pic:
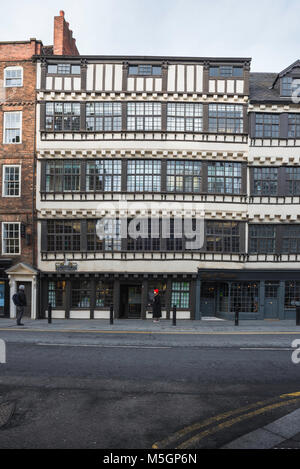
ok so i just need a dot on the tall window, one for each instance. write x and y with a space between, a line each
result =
224 178
63 116
62 176
12 127
57 293
184 176
103 117
13 76
292 294
11 242
103 176
144 176
286 86
184 117
291 239
180 295
11 181
265 181
63 235
107 237
175 241
104 294
144 116
262 239
227 118
81 293
292 175
294 125
267 125
222 237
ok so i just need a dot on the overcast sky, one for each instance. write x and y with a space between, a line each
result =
266 30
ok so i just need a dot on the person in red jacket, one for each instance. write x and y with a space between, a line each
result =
156 306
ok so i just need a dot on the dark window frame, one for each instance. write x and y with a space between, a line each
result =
269 127
111 121
268 179
222 116
181 115
236 177
65 117
223 237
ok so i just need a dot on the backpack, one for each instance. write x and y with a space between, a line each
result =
15 299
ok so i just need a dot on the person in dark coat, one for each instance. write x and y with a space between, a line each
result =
21 304
156 306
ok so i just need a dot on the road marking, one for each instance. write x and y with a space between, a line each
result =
267 349
197 426
178 332
229 423
103 346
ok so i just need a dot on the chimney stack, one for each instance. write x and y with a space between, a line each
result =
64 43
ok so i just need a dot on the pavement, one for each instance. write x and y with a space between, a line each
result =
283 433
206 325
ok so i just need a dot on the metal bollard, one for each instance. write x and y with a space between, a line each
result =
297 315
49 313
111 313
174 315
236 323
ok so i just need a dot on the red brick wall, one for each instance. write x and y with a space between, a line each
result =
20 209
64 43
19 50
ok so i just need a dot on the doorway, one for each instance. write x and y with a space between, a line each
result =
130 301
271 300
27 285
208 299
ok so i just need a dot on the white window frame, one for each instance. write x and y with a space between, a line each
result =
4 127
3 179
2 238
13 68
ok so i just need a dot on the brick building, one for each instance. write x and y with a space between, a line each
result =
18 257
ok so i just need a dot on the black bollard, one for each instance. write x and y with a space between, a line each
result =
49 313
111 313
236 318
297 315
174 315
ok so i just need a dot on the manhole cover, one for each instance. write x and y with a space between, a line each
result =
6 411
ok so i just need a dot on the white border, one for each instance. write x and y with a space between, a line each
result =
2 232
12 68
4 127
3 182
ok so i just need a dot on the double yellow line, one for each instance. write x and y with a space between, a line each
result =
183 439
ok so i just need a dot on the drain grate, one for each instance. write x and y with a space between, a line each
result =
6 412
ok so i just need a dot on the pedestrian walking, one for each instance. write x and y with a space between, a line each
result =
156 306
19 300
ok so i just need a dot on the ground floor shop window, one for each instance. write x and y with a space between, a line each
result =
292 294
81 293
244 295
181 295
104 294
56 293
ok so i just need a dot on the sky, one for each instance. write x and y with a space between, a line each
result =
266 30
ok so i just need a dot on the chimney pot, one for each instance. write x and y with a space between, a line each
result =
62 13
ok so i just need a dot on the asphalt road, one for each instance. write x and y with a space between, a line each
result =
122 392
